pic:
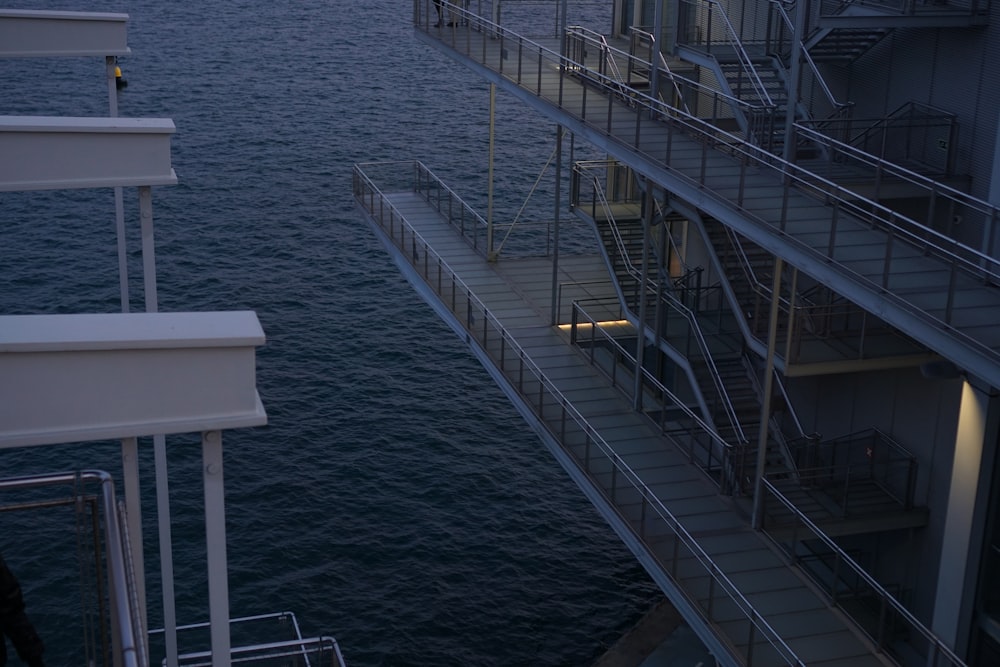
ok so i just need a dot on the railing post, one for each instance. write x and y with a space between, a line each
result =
888 257
642 518
951 292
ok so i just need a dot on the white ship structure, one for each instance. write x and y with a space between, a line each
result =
137 377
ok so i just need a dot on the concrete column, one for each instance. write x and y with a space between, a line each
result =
962 541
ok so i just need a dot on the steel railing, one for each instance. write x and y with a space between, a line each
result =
839 107
946 208
703 445
873 608
120 612
514 57
693 333
865 455
693 97
295 650
808 318
655 63
566 425
907 7
707 33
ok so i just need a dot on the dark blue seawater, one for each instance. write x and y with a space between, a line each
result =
395 500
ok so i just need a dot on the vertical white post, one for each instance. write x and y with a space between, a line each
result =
148 252
119 198
159 441
215 539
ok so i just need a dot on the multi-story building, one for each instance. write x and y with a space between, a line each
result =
841 155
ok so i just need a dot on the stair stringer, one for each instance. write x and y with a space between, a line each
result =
648 335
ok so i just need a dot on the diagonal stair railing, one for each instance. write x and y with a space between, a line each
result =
706 27
785 33
698 358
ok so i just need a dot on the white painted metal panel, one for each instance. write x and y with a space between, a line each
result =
55 152
30 33
70 378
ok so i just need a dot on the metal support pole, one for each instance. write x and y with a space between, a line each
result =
130 446
765 406
640 341
794 79
119 198
490 256
148 254
562 27
159 441
555 230
166 550
654 84
215 540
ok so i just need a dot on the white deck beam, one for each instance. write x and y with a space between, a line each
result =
55 152
33 33
73 378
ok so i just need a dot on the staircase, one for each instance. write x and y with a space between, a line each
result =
746 266
843 45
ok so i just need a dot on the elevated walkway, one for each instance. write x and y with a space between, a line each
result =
744 599
941 293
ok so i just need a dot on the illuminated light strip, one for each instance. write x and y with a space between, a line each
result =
600 325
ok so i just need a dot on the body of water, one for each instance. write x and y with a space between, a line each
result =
395 500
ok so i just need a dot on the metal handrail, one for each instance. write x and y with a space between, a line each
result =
269 652
807 316
701 87
650 380
298 647
779 5
898 458
366 192
607 60
685 312
733 39
124 613
840 201
661 63
138 629
934 190
446 205
908 7
887 600
742 109
926 116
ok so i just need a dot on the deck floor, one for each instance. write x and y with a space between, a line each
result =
517 292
